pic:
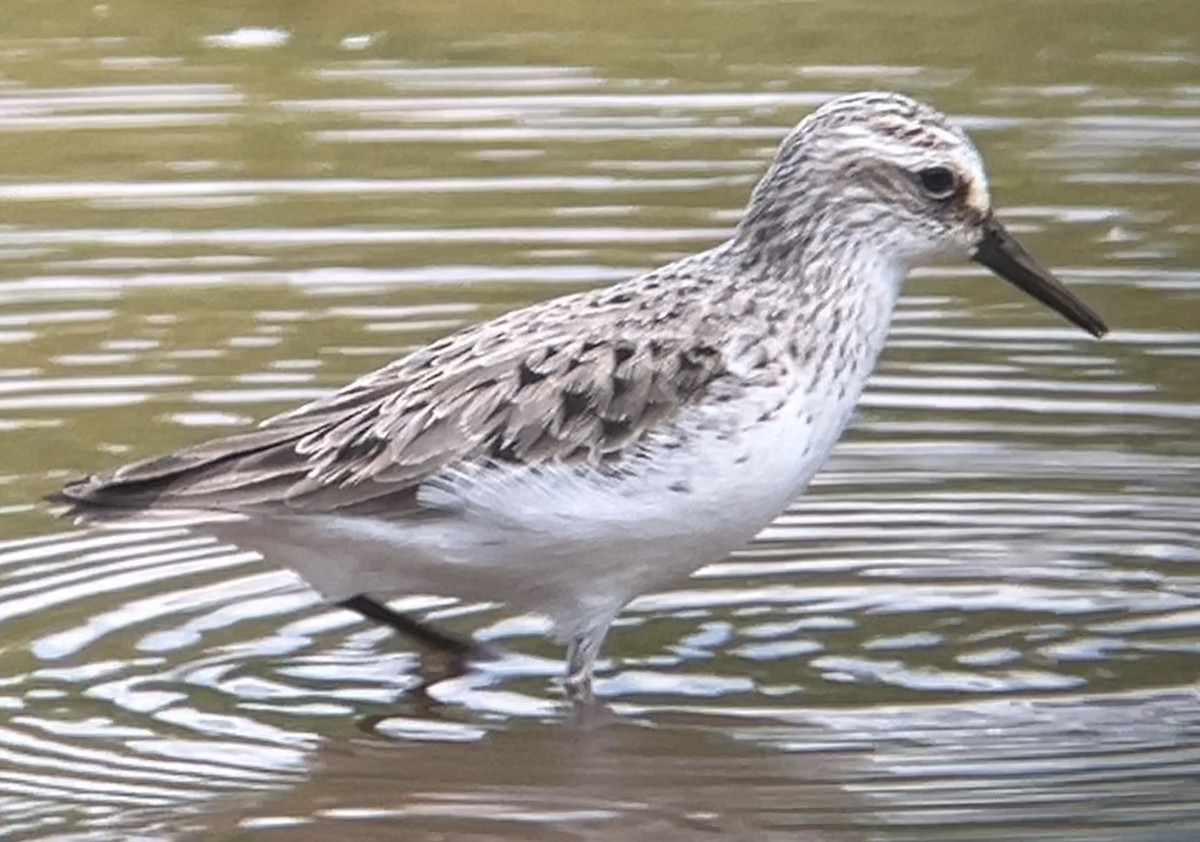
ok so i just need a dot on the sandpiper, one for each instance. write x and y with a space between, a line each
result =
569 456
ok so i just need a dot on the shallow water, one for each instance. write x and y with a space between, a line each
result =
984 621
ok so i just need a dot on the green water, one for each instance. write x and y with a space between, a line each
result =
983 623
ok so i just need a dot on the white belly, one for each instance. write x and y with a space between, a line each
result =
577 545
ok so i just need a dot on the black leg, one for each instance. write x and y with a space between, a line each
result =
409 627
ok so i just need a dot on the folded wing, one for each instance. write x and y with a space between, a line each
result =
551 391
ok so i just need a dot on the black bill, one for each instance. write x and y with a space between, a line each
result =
1001 253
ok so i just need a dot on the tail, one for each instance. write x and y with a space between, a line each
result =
223 474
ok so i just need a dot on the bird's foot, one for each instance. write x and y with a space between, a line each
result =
437 665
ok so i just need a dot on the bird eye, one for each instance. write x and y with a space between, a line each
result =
937 182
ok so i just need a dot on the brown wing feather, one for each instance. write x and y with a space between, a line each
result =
529 387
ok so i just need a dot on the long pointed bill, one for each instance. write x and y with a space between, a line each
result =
1000 252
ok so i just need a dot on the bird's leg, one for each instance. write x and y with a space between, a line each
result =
446 656
427 635
581 660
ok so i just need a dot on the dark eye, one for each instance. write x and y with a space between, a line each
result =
937 182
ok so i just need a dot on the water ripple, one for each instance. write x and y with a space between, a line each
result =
981 623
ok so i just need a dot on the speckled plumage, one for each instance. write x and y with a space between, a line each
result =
570 455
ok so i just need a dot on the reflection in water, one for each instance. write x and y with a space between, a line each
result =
982 624
623 781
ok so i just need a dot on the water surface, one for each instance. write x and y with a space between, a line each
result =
983 623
